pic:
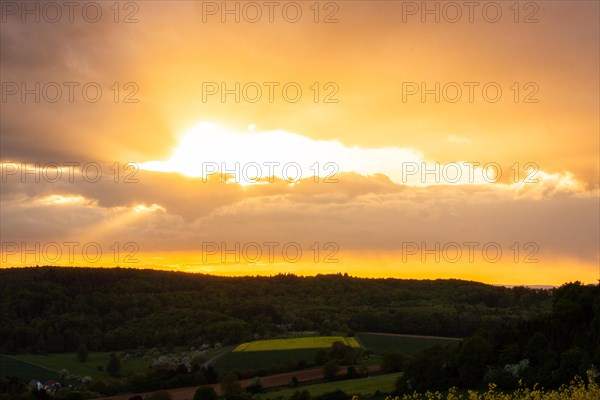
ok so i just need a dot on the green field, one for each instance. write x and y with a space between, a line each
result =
10 366
316 342
68 361
407 345
360 386
245 360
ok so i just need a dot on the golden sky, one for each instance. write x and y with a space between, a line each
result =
447 139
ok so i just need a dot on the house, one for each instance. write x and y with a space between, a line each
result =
35 385
51 386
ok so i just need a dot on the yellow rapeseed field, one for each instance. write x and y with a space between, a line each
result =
316 342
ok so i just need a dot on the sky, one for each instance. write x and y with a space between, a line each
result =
379 138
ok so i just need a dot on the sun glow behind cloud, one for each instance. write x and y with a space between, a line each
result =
253 157
250 156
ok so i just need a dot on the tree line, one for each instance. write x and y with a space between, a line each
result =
548 350
59 309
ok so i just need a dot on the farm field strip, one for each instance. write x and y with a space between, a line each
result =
382 383
263 359
318 342
408 345
10 366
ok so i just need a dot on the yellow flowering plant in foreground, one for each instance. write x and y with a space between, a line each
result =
577 390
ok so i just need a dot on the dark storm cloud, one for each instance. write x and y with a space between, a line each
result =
361 213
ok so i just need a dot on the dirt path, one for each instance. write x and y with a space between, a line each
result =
361 344
224 351
270 381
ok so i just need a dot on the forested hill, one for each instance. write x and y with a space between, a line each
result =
52 309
